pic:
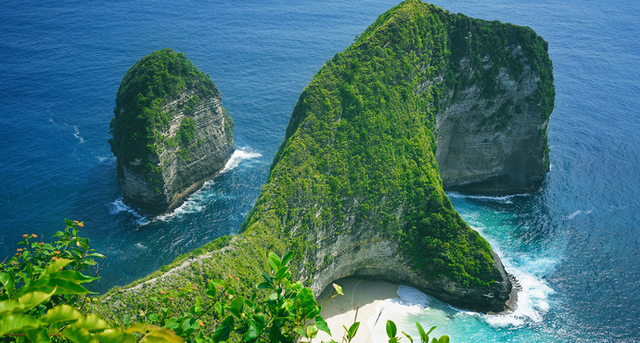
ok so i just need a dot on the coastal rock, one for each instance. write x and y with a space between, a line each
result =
170 131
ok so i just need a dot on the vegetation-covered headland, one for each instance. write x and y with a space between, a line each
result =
170 131
355 187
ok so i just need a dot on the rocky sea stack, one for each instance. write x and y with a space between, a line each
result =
356 187
170 131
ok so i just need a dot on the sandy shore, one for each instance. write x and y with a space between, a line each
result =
360 295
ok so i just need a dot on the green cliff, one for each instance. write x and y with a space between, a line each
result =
170 131
355 187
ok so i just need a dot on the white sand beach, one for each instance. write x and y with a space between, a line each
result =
360 295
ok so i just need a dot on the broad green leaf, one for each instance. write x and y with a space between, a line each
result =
62 313
264 285
56 265
236 306
78 335
91 322
305 305
424 337
33 299
391 329
274 334
73 276
274 261
322 325
160 335
219 308
301 332
188 324
353 329
268 278
223 331
11 306
15 322
254 329
39 335
444 339
287 257
219 283
9 283
281 272
212 290
47 284
141 328
115 336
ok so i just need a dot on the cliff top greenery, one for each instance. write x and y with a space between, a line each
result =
138 114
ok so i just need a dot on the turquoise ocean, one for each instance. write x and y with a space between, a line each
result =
574 245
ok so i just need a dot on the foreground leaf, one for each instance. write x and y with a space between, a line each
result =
17 322
78 335
62 313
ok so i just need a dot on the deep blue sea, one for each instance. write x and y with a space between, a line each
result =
574 245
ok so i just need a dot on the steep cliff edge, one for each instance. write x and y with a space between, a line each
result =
170 131
355 187
498 95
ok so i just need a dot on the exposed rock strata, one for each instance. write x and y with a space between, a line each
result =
187 136
474 156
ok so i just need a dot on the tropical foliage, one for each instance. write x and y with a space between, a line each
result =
42 299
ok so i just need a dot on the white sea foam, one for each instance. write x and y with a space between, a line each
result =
238 156
576 213
197 202
505 199
106 159
77 134
119 206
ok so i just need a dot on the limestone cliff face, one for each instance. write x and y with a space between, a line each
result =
494 144
182 137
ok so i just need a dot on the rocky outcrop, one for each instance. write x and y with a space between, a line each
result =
170 136
494 144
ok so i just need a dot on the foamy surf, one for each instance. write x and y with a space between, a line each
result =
238 156
119 206
198 201
505 199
